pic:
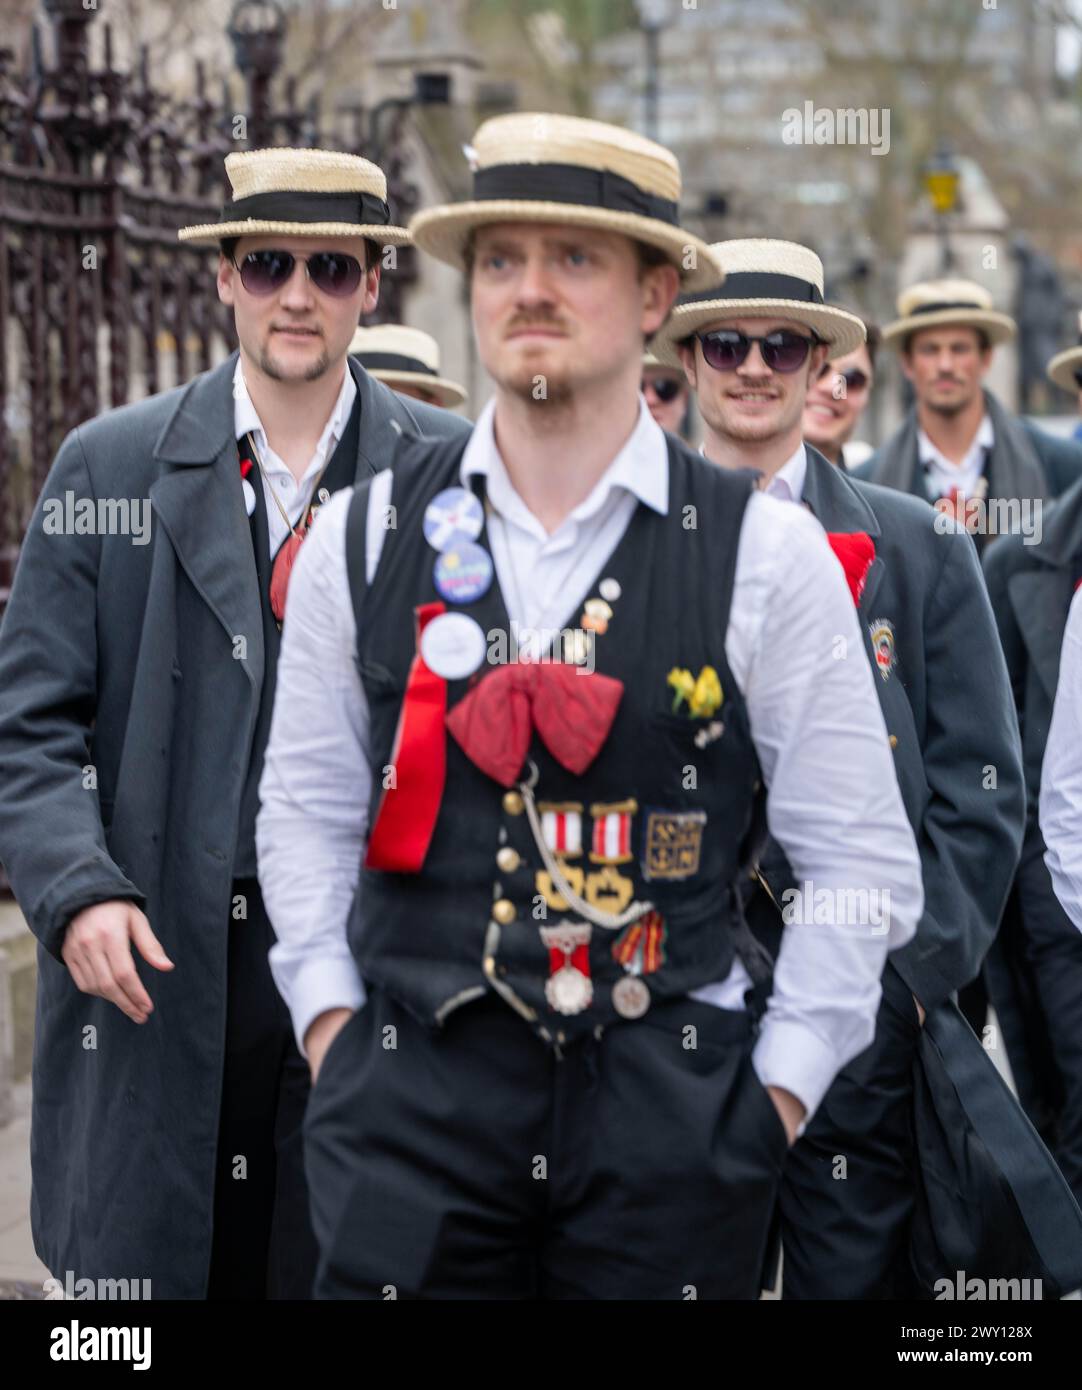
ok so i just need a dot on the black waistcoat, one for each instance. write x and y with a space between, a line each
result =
444 936
340 472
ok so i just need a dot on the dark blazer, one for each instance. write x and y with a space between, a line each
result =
127 705
1025 462
989 1196
926 583
1031 587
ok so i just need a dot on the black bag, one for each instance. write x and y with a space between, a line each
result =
991 1202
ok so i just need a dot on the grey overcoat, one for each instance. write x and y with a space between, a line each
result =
130 679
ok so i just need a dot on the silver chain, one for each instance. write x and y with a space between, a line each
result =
611 921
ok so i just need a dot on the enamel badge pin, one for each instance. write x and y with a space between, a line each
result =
882 633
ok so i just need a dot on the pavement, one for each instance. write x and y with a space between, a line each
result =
21 1272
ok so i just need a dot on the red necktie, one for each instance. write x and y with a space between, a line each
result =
571 709
855 552
407 813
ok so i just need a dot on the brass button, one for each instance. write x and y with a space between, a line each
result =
508 859
503 910
513 803
894 740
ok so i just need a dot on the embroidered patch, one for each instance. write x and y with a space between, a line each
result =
882 633
672 844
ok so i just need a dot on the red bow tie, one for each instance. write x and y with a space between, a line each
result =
855 551
571 709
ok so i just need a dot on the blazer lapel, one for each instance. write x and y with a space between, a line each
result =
199 503
1014 469
1040 599
385 418
840 507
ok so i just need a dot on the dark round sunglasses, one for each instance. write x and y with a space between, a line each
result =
665 388
1078 377
727 348
854 378
331 272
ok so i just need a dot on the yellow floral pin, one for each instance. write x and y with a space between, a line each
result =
703 695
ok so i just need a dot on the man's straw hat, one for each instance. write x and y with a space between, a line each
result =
764 279
649 360
936 303
302 193
400 356
1063 366
572 172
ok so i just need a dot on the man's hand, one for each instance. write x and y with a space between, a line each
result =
322 1031
790 1110
97 951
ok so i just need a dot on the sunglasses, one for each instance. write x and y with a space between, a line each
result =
665 388
331 272
727 348
854 378
1078 377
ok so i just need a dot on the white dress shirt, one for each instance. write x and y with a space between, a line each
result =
278 481
787 484
1061 775
940 474
833 800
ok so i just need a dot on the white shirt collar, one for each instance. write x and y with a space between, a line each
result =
788 482
983 440
246 419
641 468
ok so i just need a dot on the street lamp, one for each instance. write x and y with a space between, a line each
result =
653 17
941 178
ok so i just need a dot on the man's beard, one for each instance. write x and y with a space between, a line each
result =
948 408
727 426
272 368
542 391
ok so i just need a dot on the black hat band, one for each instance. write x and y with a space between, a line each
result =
759 284
393 362
571 183
358 209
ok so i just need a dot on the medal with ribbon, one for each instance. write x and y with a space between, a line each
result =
568 988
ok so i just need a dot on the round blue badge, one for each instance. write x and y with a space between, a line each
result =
463 572
453 515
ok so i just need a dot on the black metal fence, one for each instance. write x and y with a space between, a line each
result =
99 303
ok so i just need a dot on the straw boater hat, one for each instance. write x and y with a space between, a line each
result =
401 356
302 193
563 169
1063 366
764 279
959 303
649 360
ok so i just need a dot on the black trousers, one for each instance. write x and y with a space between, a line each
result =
849 1187
1052 948
474 1163
263 1246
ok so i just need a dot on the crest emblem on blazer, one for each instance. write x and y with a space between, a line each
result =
672 845
882 633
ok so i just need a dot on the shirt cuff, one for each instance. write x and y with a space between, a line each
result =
328 982
793 1057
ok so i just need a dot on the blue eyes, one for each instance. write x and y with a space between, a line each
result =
496 262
